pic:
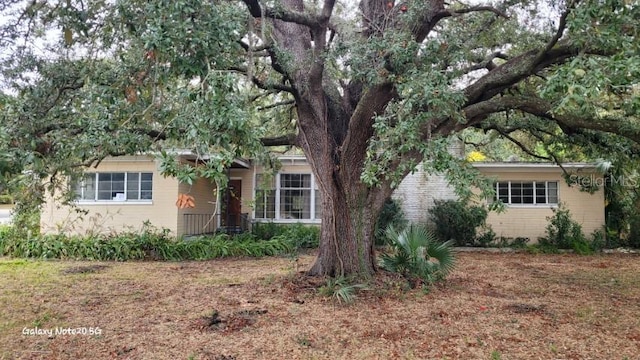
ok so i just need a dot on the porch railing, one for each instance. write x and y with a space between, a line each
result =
199 224
234 224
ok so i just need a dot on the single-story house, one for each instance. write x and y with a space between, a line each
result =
529 191
125 192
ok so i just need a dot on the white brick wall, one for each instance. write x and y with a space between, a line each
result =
417 192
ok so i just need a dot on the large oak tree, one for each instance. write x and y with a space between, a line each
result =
368 90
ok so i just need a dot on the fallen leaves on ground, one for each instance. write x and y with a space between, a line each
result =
508 306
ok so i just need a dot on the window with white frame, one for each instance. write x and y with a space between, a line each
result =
287 197
527 192
265 204
115 186
295 196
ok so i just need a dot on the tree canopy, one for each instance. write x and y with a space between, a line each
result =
367 90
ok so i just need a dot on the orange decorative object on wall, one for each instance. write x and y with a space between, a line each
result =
185 201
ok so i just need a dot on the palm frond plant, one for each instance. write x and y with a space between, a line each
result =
418 255
340 289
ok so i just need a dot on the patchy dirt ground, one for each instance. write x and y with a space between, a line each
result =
495 306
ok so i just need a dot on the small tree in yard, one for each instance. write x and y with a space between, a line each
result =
367 91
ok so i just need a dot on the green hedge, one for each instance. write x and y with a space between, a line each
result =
146 245
301 236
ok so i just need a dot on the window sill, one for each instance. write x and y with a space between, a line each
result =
532 206
113 202
289 221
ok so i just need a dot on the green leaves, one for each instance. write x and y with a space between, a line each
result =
594 86
148 244
341 289
456 220
417 255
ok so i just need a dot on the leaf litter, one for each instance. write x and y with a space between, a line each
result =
511 306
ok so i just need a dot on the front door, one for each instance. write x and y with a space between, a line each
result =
232 205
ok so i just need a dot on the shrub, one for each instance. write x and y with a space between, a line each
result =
304 236
390 216
149 244
26 220
300 236
516 243
222 246
6 199
599 239
455 220
487 238
418 256
562 231
4 235
267 230
633 240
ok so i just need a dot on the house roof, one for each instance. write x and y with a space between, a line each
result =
189 155
522 166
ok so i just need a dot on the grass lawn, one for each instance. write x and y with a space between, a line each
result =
494 306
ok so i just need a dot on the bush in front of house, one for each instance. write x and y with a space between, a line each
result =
205 248
303 236
300 236
148 244
456 220
6 199
5 231
633 240
563 232
267 230
390 216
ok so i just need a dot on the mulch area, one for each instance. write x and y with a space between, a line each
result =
494 306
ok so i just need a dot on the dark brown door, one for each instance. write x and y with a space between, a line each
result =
232 204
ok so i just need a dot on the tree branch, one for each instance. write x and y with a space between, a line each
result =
544 109
477 8
521 67
523 147
554 157
486 63
372 102
431 20
280 103
289 139
291 16
154 134
151 133
262 84
256 49
327 10
59 93
271 86
561 26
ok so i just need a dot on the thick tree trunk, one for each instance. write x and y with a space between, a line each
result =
346 239
349 210
335 123
336 150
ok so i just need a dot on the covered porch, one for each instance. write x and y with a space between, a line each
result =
227 211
